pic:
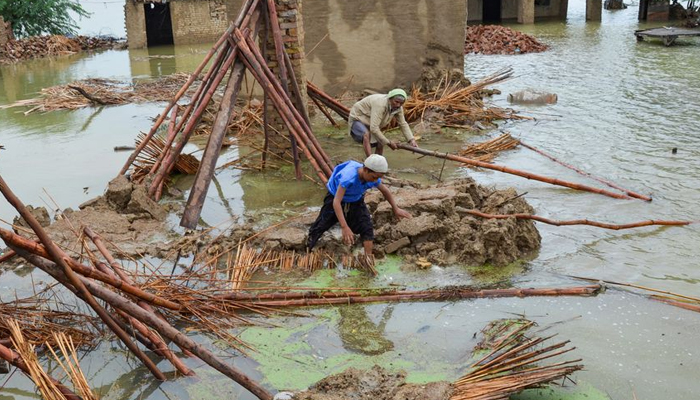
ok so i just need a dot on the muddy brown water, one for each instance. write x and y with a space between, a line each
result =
623 106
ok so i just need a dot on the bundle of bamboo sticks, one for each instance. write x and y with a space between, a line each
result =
487 151
511 366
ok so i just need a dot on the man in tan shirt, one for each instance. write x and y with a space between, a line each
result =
369 115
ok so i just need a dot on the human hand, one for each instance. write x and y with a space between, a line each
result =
393 145
348 236
413 143
401 213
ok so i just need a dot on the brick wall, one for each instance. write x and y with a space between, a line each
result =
196 21
289 13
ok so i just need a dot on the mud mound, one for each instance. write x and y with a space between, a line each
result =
441 231
124 215
377 383
495 39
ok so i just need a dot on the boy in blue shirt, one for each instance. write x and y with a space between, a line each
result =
345 202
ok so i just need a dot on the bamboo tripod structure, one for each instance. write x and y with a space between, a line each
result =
237 52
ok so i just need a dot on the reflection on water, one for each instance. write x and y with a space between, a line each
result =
622 107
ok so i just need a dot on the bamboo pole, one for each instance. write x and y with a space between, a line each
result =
14 240
696 299
165 329
301 108
322 299
580 221
172 133
59 257
169 162
315 92
9 255
15 359
512 171
587 174
174 100
207 165
304 130
291 123
324 111
159 346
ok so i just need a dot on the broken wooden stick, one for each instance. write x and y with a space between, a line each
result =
587 174
447 294
513 171
580 221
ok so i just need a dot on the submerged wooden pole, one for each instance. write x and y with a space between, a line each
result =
580 221
587 174
159 346
173 101
513 171
164 328
14 240
59 258
15 359
322 299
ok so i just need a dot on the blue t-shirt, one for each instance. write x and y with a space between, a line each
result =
345 175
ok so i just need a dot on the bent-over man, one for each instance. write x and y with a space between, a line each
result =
345 202
373 113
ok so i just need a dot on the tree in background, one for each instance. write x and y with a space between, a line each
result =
39 17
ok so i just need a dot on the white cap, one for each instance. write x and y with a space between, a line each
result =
377 163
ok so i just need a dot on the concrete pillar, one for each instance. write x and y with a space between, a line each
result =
135 22
594 10
526 11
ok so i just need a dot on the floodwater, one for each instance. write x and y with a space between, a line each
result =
623 106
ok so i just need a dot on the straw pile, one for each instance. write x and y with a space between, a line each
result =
487 151
495 39
26 350
40 322
43 46
457 105
71 365
510 365
94 92
185 164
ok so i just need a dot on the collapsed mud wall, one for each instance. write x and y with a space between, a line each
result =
443 232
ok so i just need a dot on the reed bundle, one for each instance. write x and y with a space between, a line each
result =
91 92
511 365
26 350
185 164
39 321
71 365
457 103
487 151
